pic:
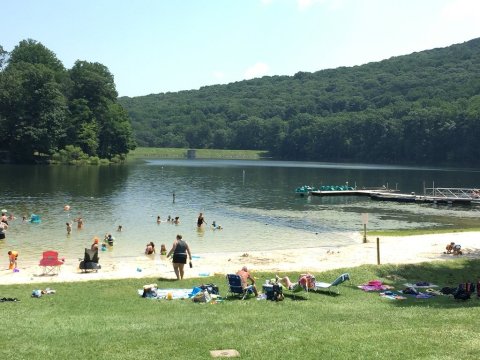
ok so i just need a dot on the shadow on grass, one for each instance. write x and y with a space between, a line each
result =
168 280
295 296
443 274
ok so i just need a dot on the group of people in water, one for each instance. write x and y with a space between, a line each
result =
179 252
172 220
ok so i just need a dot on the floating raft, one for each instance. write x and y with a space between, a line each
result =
349 191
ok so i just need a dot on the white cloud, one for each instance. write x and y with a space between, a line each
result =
461 10
258 70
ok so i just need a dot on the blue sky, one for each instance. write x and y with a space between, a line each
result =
155 46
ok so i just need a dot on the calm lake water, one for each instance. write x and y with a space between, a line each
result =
252 200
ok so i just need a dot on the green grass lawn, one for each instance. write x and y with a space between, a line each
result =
176 153
108 320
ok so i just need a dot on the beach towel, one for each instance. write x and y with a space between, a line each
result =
392 295
375 285
420 285
166 293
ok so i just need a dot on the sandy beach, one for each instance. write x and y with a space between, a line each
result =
393 250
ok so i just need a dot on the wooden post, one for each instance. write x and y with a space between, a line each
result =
378 251
364 233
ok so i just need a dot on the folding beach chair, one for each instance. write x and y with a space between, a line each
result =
329 286
50 263
90 261
234 283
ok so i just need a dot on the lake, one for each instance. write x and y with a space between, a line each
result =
254 201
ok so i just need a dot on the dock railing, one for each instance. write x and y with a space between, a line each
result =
453 193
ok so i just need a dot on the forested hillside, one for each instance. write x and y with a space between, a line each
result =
419 108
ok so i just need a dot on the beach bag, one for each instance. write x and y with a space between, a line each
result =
448 290
202 297
461 293
211 288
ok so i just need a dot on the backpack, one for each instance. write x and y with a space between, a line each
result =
463 291
276 293
211 288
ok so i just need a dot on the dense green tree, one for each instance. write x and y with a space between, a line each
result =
44 108
33 108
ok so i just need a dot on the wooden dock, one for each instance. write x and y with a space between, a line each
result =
449 196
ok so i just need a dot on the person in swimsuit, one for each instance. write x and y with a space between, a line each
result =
3 229
69 228
180 250
150 249
200 220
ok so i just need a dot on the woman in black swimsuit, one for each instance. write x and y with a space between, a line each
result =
200 220
180 250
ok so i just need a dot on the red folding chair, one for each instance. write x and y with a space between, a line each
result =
50 263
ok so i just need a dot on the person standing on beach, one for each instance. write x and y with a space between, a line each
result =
179 249
200 220
12 257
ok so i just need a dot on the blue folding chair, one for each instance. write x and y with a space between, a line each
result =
235 288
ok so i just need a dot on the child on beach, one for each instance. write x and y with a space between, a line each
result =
69 228
150 249
12 257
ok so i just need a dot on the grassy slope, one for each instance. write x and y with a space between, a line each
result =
107 320
175 153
